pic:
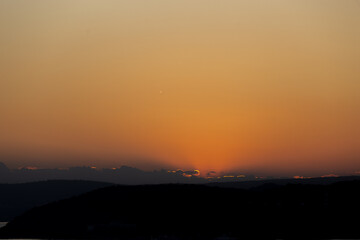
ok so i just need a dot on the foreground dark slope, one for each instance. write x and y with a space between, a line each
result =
15 199
293 211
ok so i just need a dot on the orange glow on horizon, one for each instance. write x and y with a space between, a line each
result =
209 85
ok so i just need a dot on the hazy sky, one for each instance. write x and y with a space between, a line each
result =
212 85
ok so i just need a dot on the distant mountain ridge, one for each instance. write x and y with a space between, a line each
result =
123 175
134 176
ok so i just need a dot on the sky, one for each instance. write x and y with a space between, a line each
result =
260 85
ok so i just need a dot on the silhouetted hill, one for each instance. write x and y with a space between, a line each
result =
295 211
3 168
283 182
15 199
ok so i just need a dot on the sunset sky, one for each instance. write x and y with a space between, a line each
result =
195 84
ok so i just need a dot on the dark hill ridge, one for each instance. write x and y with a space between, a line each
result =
15 199
198 212
282 182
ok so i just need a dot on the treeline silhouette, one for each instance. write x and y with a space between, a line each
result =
176 211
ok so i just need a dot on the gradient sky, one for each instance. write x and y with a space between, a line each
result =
212 85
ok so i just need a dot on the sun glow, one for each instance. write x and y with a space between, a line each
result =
208 85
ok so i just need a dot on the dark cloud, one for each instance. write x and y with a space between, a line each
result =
122 175
187 173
